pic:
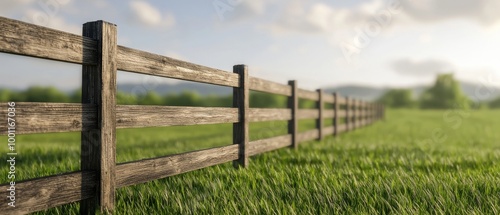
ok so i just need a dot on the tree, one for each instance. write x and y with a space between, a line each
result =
125 99
267 100
186 98
44 94
446 93
495 103
5 95
398 98
150 98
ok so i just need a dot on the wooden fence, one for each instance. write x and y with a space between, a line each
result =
98 116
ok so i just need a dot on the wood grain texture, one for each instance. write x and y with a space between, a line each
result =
266 86
269 144
293 105
241 100
34 117
269 114
98 147
139 116
307 114
48 192
320 108
25 39
308 135
132 60
307 94
151 169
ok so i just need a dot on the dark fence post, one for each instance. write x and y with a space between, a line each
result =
293 105
335 114
241 100
319 121
347 114
98 146
354 114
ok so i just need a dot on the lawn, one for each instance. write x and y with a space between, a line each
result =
435 162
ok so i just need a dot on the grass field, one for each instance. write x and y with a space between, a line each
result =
431 162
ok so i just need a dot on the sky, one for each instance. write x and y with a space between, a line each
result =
380 43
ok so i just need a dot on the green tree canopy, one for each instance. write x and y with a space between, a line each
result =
44 94
398 98
495 103
446 93
150 98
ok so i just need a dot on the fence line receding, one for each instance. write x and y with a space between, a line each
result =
98 116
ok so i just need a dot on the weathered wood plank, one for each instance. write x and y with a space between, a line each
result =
328 131
266 86
328 113
308 135
328 98
307 94
293 105
25 39
98 147
139 116
342 128
34 117
341 100
132 60
342 113
269 144
308 114
48 192
241 101
151 169
269 114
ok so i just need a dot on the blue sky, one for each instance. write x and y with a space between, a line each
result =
395 43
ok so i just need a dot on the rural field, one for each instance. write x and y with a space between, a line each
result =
414 162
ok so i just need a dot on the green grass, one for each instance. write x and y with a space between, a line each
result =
430 162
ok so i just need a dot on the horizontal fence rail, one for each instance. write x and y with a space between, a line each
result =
98 116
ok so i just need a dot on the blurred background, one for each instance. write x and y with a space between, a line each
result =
403 53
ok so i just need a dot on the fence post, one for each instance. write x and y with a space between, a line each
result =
383 112
354 114
319 121
335 114
370 111
293 105
241 100
98 146
347 114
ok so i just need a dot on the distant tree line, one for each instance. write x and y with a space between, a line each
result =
186 98
444 94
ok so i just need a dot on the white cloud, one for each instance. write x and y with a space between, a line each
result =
484 12
8 6
317 17
42 18
144 13
298 16
429 67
